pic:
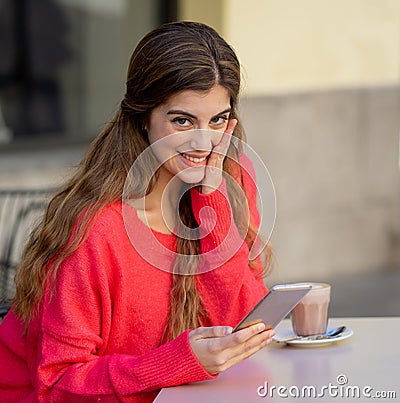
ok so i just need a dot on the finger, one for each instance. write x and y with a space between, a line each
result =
244 350
231 126
220 150
210 332
226 138
257 343
243 335
271 333
251 345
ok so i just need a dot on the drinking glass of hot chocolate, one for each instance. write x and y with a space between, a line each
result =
310 316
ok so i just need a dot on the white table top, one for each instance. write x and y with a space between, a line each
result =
367 363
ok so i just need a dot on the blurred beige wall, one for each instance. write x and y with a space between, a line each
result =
210 12
321 107
298 45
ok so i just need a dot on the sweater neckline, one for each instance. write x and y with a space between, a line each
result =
165 239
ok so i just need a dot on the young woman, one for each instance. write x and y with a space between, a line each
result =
96 315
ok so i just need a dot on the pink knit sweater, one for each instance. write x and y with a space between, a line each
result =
98 338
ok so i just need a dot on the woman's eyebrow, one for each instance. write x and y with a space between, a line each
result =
228 110
180 112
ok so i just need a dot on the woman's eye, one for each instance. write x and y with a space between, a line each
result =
219 120
182 121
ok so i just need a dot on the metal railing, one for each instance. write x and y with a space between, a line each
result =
20 210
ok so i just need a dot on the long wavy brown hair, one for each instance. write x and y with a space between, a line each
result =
174 57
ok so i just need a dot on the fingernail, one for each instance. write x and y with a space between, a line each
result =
228 330
261 327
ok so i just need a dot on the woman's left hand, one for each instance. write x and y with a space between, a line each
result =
218 349
213 172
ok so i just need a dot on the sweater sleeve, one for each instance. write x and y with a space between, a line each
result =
70 370
76 329
230 287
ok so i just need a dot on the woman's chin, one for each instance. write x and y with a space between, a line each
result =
192 175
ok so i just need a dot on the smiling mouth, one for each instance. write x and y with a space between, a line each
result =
196 160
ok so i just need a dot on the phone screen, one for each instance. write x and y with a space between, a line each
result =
275 305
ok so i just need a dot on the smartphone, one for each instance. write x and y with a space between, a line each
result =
275 305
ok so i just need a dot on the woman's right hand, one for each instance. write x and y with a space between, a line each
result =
217 348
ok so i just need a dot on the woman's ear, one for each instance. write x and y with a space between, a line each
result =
145 126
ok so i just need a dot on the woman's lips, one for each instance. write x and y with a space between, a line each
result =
194 160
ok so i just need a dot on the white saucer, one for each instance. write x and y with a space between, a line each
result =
285 333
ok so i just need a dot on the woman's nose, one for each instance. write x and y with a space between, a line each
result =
201 140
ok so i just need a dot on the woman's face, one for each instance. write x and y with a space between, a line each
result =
184 130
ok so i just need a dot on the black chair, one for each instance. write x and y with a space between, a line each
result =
20 210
